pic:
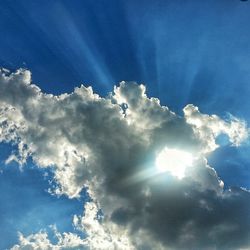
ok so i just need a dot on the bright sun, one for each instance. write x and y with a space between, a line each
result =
173 161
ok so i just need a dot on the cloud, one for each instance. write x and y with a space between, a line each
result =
207 128
41 241
109 146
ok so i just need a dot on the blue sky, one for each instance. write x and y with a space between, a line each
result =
183 51
164 44
26 205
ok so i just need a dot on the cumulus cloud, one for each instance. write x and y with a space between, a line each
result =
41 241
109 146
207 128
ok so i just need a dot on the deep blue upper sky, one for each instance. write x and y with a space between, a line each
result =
184 51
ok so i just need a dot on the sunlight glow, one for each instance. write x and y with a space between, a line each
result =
173 161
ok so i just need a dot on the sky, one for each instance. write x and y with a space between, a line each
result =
81 129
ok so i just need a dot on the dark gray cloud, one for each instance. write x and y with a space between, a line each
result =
109 145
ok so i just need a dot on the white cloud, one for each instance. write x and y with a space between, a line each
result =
207 128
99 236
100 143
41 241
